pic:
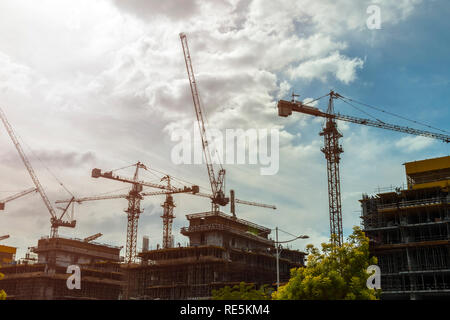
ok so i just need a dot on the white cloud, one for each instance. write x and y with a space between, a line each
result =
414 143
341 67
106 89
13 76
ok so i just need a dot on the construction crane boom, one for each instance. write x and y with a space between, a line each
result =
119 196
168 205
6 236
255 204
217 184
27 164
96 173
285 109
55 221
93 237
15 196
249 203
124 195
332 149
93 198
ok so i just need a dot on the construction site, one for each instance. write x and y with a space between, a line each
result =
408 229
223 251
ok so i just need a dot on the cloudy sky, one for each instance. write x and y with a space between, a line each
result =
103 84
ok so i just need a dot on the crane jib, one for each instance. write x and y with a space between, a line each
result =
285 109
54 220
217 184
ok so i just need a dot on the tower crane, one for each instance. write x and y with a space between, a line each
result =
168 205
55 221
217 183
332 149
15 196
134 197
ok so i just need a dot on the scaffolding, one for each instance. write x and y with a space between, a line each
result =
223 251
102 277
193 272
409 232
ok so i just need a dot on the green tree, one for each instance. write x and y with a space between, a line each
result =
243 291
336 273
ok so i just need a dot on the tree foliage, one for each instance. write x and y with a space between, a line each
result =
335 273
243 291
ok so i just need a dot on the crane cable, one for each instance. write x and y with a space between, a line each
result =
131 165
43 164
150 170
395 115
175 178
359 109
318 98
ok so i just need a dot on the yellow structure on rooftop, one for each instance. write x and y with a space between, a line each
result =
428 173
7 254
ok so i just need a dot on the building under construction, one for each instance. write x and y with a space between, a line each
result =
410 232
223 251
45 277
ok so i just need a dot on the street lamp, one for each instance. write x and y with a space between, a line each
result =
277 244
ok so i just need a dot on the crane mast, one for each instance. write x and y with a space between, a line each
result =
133 212
217 184
167 217
332 149
54 220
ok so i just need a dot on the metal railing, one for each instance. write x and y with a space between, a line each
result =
412 203
81 240
228 217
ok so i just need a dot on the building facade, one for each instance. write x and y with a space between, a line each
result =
45 279
409 232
